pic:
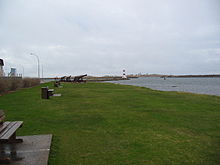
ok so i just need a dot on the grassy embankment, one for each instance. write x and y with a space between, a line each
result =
100 123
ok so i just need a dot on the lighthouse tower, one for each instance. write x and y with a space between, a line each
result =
124 75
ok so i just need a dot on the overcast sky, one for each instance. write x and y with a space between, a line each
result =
103 37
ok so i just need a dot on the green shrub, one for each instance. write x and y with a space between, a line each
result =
3 86
15 84
29 82
12 84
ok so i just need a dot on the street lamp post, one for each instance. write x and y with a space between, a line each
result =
38 62
42 75
22 71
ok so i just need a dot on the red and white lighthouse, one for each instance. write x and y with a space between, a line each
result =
124 75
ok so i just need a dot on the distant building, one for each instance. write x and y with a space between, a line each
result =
13 72
1 68
124 75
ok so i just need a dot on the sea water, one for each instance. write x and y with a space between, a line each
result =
209 86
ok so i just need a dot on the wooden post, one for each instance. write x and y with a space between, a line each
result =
44 93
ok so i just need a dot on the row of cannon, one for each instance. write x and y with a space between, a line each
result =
76 79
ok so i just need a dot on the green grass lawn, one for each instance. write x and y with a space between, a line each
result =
103 123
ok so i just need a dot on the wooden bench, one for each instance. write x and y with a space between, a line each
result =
46 92
50 92
8 136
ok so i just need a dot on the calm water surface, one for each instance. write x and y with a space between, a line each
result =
209 86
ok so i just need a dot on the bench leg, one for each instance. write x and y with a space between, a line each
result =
13 154
14 140
11 140
10 155
4 158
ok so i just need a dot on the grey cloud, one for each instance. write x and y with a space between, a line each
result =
104 37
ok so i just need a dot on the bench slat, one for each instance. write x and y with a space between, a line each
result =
3 126
10 130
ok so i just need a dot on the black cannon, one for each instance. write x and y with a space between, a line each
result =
63 79
76 79
79 79
68 79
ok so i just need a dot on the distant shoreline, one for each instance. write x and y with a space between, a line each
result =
189 76
178 76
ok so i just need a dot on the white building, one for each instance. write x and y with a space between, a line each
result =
1 68
13 72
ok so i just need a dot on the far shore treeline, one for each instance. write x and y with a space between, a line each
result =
12 84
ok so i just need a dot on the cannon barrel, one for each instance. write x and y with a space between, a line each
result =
81 76
63 77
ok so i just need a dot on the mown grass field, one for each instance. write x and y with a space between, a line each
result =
102 123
